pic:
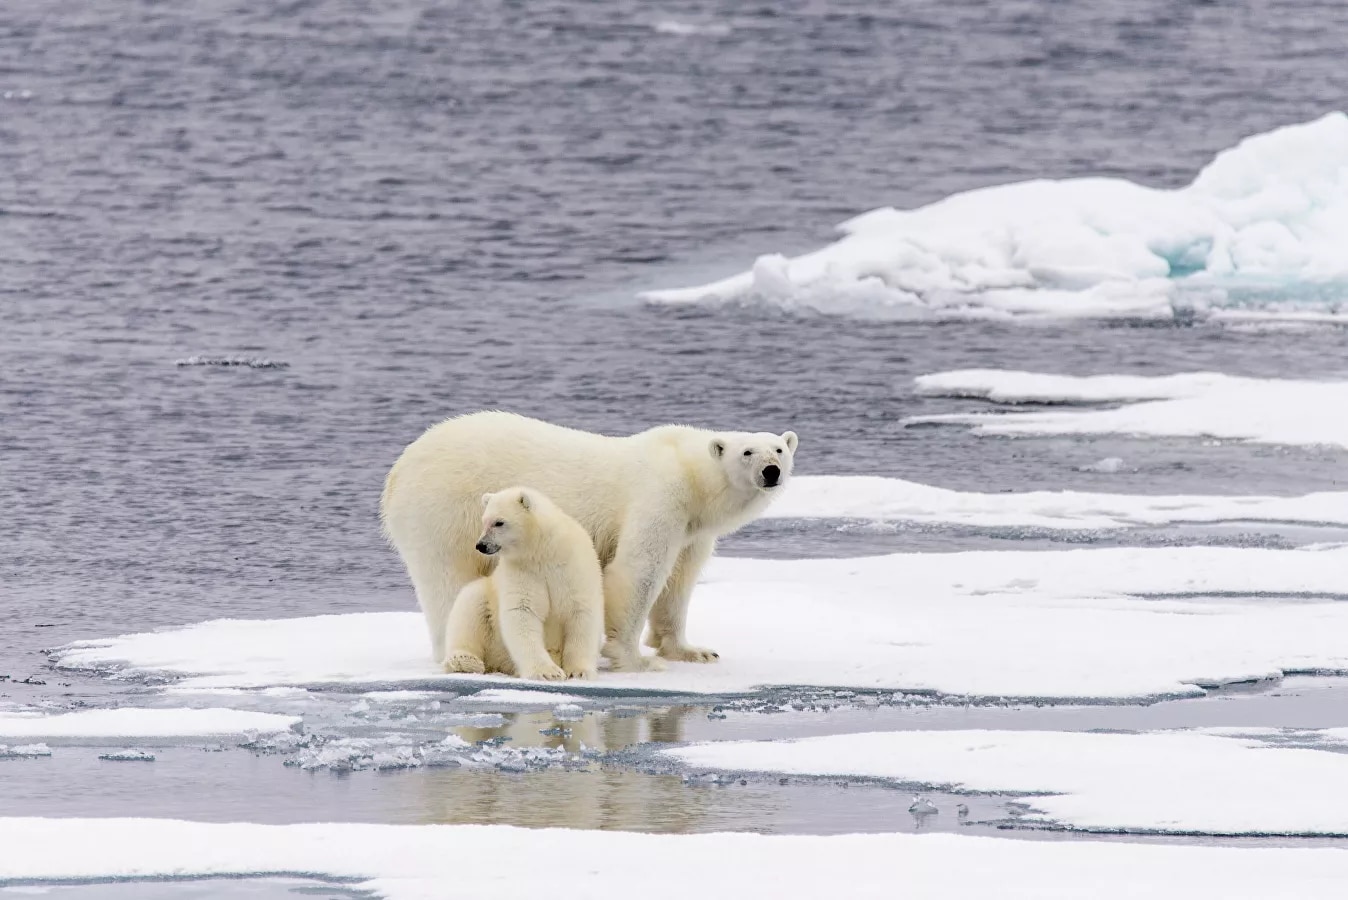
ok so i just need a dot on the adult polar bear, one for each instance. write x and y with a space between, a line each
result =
654 503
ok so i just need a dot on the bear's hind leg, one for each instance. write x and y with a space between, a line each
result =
467 632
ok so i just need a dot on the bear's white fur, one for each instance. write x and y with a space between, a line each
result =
654 504
540 613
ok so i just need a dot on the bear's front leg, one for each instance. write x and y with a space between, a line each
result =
524 607
669 616
641 565
580 644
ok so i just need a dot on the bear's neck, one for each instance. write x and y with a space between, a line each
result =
718 508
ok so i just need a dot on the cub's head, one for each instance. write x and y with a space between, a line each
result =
755 462
507 519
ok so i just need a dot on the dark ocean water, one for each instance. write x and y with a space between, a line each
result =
420 209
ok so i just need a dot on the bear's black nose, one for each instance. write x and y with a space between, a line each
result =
485 549
771 474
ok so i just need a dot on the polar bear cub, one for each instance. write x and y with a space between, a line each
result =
540 613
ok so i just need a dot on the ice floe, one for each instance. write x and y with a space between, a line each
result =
893 499
1211 782
1262 223
419 862
1089 623
130 722
1203 404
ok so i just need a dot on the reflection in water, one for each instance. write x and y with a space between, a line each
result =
593 797
618 729
607 800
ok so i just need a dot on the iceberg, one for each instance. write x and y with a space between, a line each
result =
1262 225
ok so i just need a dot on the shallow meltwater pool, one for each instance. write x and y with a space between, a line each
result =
442 758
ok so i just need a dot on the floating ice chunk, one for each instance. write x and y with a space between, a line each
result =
246 362
24 751
128 756
568 712
688 29
1262 410
130 722
895 500
1110 465
921 806
1166 781
1265 214
416 862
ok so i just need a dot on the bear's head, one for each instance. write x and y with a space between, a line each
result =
755 462
507 519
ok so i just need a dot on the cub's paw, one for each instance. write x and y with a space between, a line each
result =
549 672
581 672
464 662
684 653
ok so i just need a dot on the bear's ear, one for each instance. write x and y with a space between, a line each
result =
717 448
525 501
486 498
791 440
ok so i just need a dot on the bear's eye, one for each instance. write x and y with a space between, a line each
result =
780 451
748 453
499 523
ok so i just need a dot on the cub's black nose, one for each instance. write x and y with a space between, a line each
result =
485 549
771 475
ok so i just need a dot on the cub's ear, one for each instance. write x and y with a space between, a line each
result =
525 501
486 498
791 440
717 447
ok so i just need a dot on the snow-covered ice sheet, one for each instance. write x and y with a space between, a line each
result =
132 722
1264 221
1178 781
1200 404
1059 624
893 499
420 862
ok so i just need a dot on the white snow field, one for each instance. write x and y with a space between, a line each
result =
444 862
1268 213
1218 781
895 500
1203 404
1088 623
130 722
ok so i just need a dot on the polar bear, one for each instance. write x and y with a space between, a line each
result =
654 504
543 604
